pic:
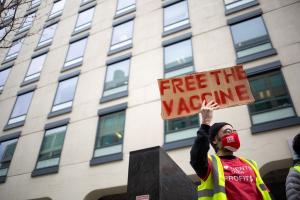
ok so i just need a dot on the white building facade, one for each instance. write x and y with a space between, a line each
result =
78 89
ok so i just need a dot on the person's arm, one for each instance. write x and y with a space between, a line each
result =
199 160
292 185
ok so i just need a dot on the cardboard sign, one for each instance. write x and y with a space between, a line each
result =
183 96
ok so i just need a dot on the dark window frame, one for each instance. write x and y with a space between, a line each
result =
16 40
58 13
8 137
182 142
119 94
50 169
26 29
187 141
22 122
240 7
48 43
273 124
74 39
35 79
181 38
254 42
3 68
179 28
86 7
67 109
126 46
122 13
115 156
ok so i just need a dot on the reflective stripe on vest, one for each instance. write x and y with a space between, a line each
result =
215 178
296 168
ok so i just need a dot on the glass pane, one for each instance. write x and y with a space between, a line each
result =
175 13
181 135
35 2
57 7
48 33
8 13
15 48
248 30
273 115
111 129
230 1
76 49
36 65
125 3
7 150
256 49
3 76
85 17
117 75
178 54
2 33
122 32
108 150
52 143
237 3
28 21
22 105
269 92
47 163
181 123
66 91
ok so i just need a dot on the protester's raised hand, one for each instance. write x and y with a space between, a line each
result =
207 111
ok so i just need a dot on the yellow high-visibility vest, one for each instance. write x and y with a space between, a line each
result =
213 188
296 168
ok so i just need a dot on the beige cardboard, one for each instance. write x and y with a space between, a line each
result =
182 96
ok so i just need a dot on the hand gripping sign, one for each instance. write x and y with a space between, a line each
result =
183 96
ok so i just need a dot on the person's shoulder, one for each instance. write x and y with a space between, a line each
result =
251 161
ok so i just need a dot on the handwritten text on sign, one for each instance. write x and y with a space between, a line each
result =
183 96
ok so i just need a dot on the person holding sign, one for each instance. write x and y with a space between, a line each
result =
223 176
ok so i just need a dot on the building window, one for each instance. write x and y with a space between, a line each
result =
52 144
84 1
110 134
65 94
125 6
235 5
20 108
27 22
272 100
84 20
122 35
2 33
116 80
176 15
35 68
181 128
3 78
35 3
57 9
14 49
250 37
75 53
178 59
47 35
8 13
7 149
